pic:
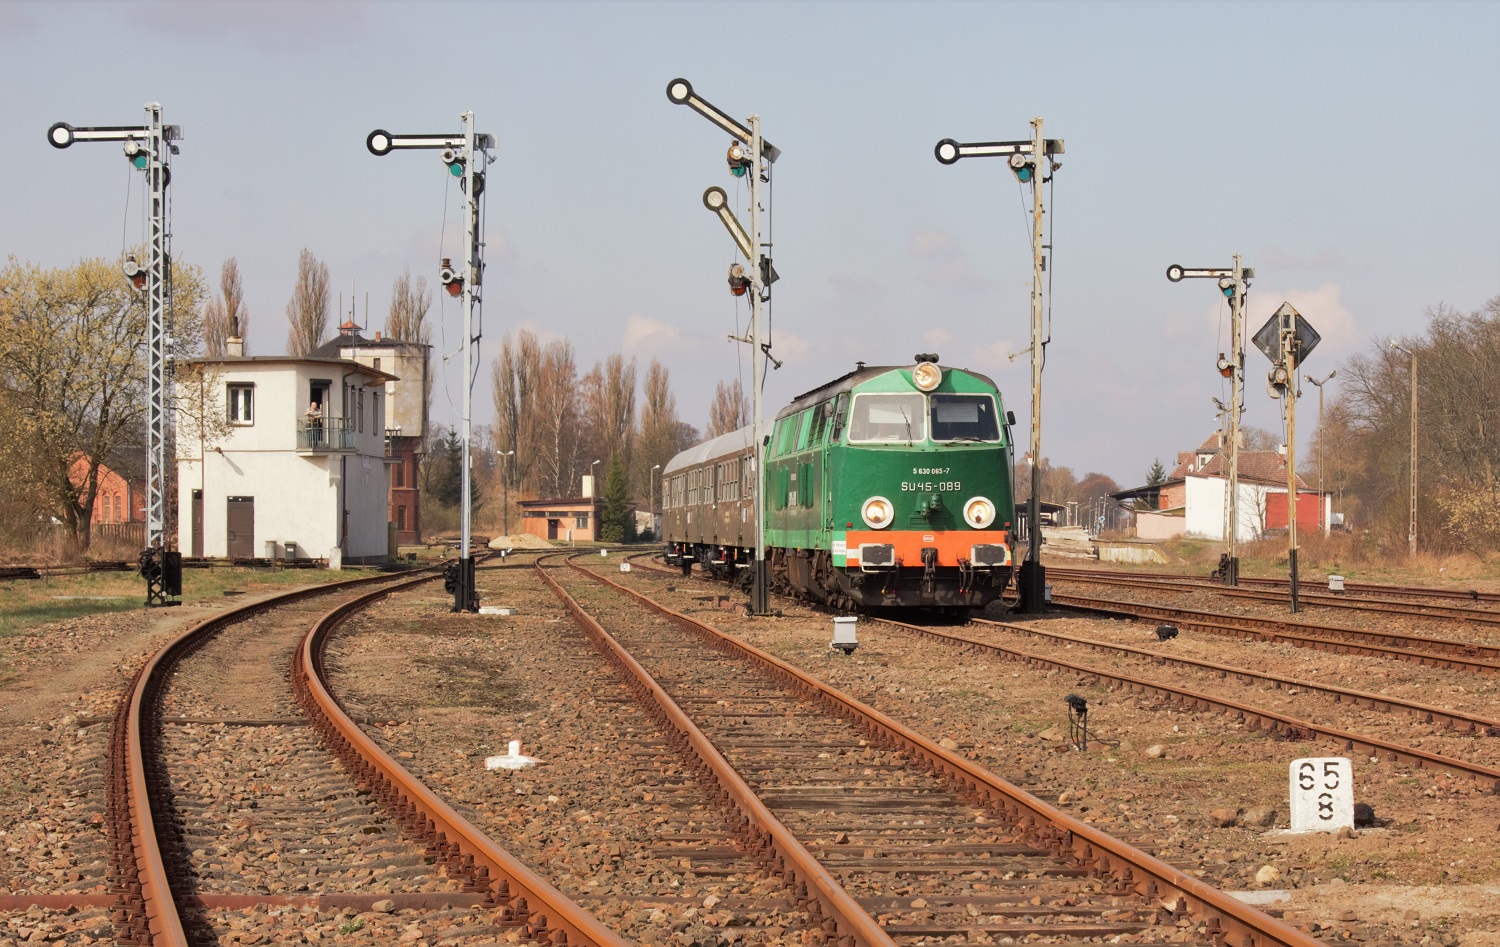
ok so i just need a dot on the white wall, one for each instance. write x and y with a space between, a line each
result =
1205 508
296 494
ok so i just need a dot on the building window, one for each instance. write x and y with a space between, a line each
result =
241 404
400 471
401 518
581 522
359 400
377 364
119 509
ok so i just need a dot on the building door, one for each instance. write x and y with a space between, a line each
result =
552 529
241 523
197 524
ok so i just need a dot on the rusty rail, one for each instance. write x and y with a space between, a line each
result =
1448 654
1131 870
760 829
146 903
528 900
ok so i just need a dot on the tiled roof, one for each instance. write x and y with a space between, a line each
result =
1266 466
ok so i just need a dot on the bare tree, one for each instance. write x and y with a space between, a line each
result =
729 411
308 309
609 403
659 427
410 301
226 316
555 463
515 374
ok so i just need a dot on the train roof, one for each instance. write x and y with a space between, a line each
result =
857 377
733 442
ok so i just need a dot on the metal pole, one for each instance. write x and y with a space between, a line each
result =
156 288
1033 596
760 593
466 596
1289 349
1411 534
1236 399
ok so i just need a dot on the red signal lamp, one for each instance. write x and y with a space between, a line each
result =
134 272
452 282
739 283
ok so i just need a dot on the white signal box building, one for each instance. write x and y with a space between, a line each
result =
287 461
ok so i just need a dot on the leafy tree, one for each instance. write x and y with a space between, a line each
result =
617 522
308 310
73 375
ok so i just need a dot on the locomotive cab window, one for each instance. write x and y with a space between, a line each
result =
964 418
888 418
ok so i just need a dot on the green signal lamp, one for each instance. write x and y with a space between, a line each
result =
1226 286
1022 166
739 162
136 154
454 161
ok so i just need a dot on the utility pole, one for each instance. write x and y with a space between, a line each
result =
149 148
505 483
461 153
1323 505
1411 529
1287 339
757 165
1025 158
1234 283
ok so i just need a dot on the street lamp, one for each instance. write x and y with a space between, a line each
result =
1321 501
1411 531
651 501
505 484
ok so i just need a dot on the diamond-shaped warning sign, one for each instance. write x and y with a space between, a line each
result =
1304 337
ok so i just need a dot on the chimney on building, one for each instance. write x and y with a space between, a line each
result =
234 347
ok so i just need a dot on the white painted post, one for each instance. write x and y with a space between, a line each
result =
1322 794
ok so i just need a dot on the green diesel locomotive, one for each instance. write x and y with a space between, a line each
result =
887 487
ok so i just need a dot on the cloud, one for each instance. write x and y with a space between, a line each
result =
1322 308
650 336
993 358
947 263
792 349
1280 258
936 337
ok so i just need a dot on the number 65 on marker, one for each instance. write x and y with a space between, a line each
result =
1322 794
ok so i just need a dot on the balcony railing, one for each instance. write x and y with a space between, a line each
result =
325 434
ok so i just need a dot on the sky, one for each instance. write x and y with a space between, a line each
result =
1347 150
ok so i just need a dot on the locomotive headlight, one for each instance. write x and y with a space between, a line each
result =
926 376
979 512
877 512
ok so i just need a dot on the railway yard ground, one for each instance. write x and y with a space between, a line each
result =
638 840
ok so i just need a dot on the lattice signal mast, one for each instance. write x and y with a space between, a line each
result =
149 148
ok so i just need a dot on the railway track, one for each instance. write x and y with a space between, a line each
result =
215 734
902 829
1467 615
1403 592
1433 652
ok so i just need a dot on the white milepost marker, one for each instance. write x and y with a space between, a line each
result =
1322 794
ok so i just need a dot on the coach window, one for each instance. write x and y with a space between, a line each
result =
241 404
804 428
786 432
895 418
964 418
840 415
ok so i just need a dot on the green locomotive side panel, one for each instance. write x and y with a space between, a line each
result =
820 471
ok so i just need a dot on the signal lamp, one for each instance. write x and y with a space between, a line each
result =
1225 368
450 278
1022 166
877 512
135 153
1226 286
454 161
134 272
739 283
739 162
926 376
979 512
